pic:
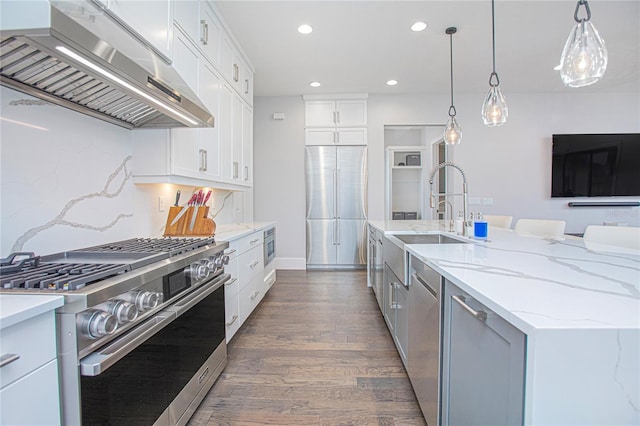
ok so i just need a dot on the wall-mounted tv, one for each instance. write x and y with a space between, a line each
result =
596 165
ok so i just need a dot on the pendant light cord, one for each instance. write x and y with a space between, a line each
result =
493 37
452 109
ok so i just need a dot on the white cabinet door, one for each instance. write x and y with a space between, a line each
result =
351 136
151 20
186 59
247 84
351 112
186 17
320 136
226 57
209 147
210 38
247 145
226 133
319 113
236 149
340 113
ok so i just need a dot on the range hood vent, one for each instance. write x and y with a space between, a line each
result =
87 60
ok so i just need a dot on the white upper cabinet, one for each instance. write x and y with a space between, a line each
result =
335 119
210 36
152 21
336 113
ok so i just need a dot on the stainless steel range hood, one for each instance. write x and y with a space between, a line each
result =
79 55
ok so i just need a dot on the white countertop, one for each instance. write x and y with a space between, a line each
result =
16 308
536 283
233 231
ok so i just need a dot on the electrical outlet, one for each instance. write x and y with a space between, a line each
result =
488 201
162 204
474 201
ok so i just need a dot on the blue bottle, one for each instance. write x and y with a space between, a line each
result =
480 228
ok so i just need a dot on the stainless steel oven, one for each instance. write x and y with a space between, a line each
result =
141 336
154 373
269 245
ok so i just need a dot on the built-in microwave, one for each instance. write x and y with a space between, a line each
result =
269 245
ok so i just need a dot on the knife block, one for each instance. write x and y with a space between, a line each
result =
203 227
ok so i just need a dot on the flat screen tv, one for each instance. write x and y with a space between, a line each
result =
605 165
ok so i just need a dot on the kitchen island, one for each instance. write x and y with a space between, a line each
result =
578 306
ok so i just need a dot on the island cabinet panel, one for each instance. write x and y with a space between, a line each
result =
483 364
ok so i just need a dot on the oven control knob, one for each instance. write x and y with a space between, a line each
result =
123 311
145 300
95 323
222 260
199 270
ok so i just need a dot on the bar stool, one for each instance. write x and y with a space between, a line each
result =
541 227
619 236
498 221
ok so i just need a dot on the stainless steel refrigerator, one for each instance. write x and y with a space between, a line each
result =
336 180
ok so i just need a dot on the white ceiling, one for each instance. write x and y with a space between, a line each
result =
356 46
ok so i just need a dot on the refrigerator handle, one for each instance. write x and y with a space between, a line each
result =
335 227
338 231
336 192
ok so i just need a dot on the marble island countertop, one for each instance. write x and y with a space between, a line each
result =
579 306
537 283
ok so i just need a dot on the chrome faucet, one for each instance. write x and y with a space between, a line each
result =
465 191
445 202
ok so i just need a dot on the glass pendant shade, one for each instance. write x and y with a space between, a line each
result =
584 58
452 132
494 108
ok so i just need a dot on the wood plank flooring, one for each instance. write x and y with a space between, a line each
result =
316 351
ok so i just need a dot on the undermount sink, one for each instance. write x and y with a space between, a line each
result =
428 239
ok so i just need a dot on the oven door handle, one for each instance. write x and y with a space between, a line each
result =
98 362
186 303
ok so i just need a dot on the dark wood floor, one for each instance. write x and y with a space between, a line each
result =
316 351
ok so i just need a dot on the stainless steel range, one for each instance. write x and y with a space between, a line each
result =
141 336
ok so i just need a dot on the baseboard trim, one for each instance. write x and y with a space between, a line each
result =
291 263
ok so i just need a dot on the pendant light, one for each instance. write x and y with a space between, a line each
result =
453 132
494 108
584 57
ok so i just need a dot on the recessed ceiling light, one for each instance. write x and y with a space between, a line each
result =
305 29
314 84
392 83
418 26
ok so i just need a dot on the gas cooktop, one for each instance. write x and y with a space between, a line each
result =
75 269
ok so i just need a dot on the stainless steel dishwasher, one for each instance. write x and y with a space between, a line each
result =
423 359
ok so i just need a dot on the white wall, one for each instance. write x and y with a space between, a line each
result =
511 164
66 181
279 180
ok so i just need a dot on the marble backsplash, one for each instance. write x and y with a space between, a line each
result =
66 181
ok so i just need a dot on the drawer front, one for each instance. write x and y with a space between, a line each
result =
232 308
269 280
250 265
249 242
250 296
32 400
34 341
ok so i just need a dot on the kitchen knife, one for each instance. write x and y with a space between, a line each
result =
184 210
177 198
199 198
206 198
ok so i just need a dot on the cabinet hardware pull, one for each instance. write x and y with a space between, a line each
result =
246 90
204 38
246 172
235 317
7 359
425 284
254 264
254 241
254 295
338 117
235 170
481 315
231 251
230 282
204 374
